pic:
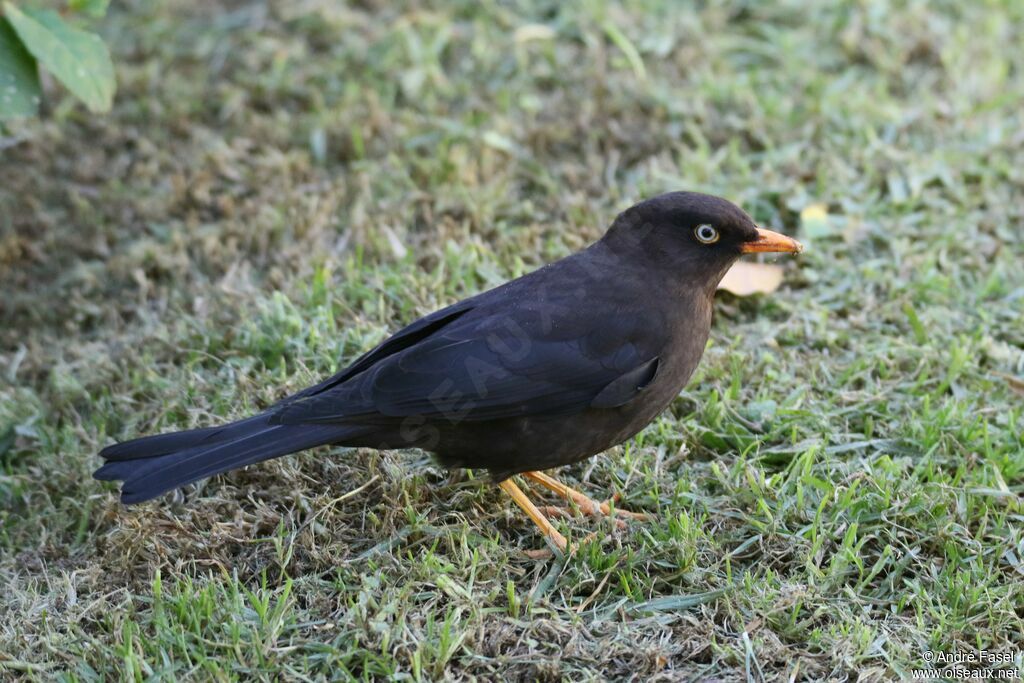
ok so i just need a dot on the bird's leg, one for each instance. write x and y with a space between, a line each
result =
549 531
587 505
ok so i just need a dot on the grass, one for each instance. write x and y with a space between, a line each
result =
838 491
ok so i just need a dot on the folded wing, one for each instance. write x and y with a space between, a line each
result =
490 366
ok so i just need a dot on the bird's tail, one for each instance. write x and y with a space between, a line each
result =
156 464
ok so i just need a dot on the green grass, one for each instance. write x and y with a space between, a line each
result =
838 490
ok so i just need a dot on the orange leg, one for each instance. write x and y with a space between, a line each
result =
587 505
549 531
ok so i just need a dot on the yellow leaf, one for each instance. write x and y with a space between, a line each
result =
814 220
744 278
814 212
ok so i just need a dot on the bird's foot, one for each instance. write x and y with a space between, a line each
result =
585 503
582 502
547 554
566 512
547 528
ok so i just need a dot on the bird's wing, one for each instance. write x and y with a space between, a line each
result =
489 366
406 337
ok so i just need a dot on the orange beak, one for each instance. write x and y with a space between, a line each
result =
769 241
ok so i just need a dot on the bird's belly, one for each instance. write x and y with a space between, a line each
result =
507 447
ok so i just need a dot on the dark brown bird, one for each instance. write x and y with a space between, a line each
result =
543 371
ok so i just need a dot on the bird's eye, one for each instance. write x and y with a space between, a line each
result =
706 234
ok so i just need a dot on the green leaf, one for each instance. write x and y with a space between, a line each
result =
628 49
677 603
77 58
94 8
19 77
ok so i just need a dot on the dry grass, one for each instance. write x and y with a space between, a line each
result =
837 492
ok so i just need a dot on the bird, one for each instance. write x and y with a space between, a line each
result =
543 371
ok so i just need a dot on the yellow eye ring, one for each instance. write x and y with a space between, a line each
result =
706 234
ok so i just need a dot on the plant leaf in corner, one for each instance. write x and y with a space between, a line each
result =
19 78
77 58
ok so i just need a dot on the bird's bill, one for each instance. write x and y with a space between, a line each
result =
771 241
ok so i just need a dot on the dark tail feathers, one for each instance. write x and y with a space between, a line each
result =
156 464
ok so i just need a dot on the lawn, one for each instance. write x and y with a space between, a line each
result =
280 185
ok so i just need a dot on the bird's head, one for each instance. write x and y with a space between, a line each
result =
695 236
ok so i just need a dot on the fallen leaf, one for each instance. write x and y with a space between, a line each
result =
744 278
1015 383
528 32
